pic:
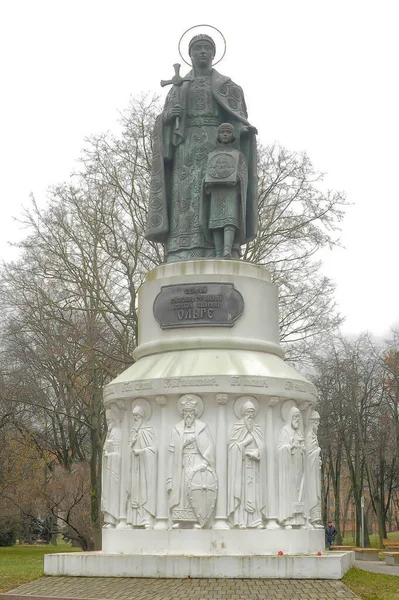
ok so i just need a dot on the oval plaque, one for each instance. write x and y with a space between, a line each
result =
198 305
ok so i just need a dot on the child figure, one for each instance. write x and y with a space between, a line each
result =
226 182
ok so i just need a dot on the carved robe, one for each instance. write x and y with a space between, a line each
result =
142 493
313 476
228 201
190 447
111 475
290 471
246 477
179 163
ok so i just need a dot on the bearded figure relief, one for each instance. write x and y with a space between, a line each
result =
313 463
191 483
142 492
291 467
246 468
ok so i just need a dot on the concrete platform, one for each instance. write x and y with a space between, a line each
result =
106 588
331 565
210 542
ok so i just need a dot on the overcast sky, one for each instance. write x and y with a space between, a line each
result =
320 76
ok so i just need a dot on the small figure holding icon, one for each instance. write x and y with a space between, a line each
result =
225 185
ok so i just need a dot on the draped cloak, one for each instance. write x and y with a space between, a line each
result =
230 99
205 447
290 471
313 475
142 492
111 474
236 470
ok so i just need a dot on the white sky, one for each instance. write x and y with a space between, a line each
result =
320 76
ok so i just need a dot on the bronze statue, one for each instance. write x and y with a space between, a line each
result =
185 134
226 182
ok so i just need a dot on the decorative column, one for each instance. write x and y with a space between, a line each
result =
162 520
221 463
272 475
126 458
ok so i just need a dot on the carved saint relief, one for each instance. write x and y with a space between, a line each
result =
246 468
191 482
142 445
291 457
313 463
111 471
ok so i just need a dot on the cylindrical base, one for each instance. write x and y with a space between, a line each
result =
209 346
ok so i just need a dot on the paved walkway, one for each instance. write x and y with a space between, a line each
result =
377 566
108 588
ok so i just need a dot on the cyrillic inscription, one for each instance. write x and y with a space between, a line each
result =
198 305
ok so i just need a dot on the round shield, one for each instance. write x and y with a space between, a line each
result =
203 489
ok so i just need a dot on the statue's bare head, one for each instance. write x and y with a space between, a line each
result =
138 413
226 133
202 50
294 417
315 420
249 414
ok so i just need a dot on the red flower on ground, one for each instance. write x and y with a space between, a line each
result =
280 553
319 553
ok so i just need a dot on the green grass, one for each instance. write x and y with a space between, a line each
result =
20 564
372 586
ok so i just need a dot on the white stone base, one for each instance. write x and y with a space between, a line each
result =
332 565
210 542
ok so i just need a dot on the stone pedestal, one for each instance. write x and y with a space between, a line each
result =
218 445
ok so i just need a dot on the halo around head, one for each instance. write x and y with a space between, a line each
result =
190 401
208 30
240 403
145 405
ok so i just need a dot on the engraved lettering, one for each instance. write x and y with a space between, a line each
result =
144 385
179 382
127 387
255 382
215 304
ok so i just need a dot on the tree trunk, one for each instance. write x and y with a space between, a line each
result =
95 463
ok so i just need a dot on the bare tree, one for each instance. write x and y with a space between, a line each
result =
69 304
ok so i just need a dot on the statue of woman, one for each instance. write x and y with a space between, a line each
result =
203 101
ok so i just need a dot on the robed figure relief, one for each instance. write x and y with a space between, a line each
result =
223 207
191 482
291 471
111 472
142 492
185 133
246 469
313 463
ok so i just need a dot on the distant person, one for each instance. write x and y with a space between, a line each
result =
331 534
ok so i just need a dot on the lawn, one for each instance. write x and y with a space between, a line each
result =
372 586
22 563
